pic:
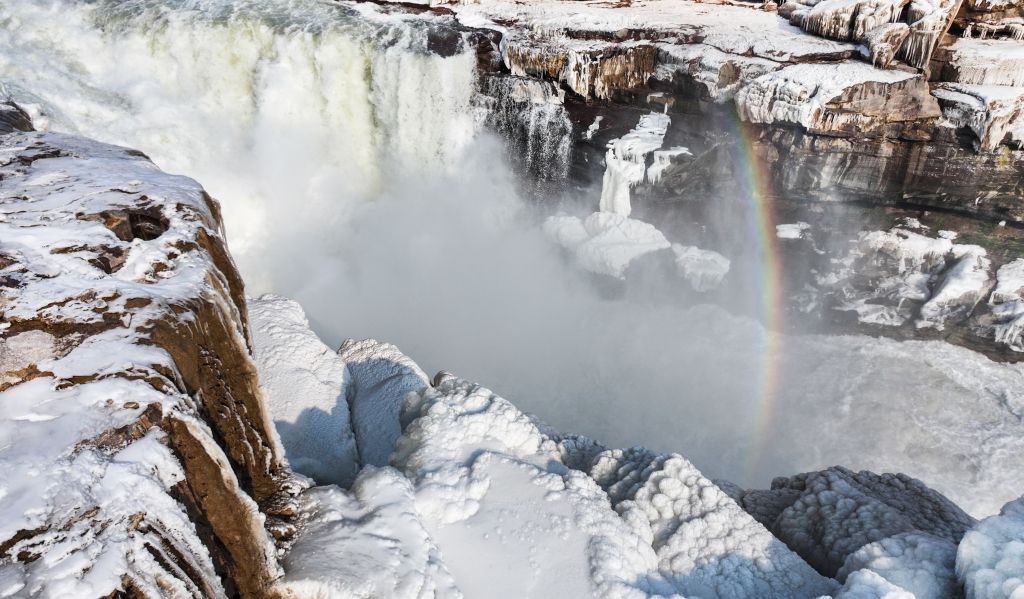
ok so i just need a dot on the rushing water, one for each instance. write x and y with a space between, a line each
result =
355 176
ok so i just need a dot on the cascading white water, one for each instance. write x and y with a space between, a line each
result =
286 111
294 113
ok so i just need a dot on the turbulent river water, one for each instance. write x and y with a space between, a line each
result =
357 176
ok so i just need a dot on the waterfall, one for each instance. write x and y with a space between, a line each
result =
529 115
284 110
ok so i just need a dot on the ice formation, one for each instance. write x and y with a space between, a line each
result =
381 375
990 559
604 242
305 385
626 162
827 516
704 269
1007 302
365 544
802 95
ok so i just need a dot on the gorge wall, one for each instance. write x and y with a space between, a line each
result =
139 459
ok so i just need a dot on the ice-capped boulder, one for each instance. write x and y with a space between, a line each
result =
865 584
913 277
916 562
928 20
605 243
305 384
883 42
990 558
707 546
991 112
839 511
381 376
850 20
1007 304
626 161
998 62
837 99
703 269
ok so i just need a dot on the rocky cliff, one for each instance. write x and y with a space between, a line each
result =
137 453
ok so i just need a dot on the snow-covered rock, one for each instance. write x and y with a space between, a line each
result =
930 280
134 443
850 20
991 112
791 230
928 20
916 562
1007 304
365 544
836 99
605 243
381 376
990 558
305 384
865 584
703 269
983 62
509 518
839 511
707 546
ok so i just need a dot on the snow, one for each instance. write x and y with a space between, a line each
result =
626 161
381 375
367 544
305 385
987 62
605 243
990 558
704 269
798 94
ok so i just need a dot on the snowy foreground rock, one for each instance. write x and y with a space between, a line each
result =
136 453
480 500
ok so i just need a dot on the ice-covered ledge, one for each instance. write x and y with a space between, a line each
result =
479 499
137 456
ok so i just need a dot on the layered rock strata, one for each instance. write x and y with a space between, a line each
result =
138 457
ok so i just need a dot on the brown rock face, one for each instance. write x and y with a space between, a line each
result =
126 383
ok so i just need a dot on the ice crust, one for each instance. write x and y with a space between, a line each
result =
990 559
305 386
483 500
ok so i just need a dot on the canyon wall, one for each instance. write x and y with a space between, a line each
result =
138 456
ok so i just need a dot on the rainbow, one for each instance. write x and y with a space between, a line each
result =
755 185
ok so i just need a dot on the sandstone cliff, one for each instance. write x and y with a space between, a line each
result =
138 457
